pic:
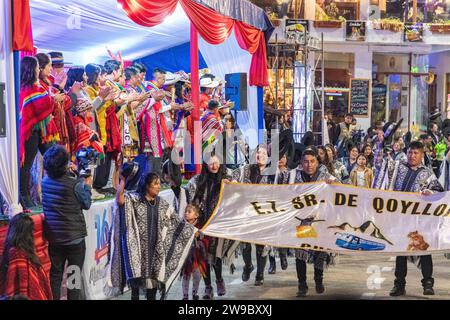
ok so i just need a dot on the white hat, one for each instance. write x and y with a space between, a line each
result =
172 78
208 83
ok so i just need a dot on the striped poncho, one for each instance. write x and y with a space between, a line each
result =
36 113
211 129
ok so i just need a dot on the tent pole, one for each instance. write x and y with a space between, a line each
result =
195 98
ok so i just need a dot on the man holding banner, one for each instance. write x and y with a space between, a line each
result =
310 173
412 176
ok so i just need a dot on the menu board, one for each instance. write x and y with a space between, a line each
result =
359 101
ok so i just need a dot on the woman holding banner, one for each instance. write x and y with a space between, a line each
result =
258 173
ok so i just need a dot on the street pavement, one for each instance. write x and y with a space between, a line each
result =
352 277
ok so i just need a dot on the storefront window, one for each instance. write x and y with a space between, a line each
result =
339 69
336 10
400 91
434 11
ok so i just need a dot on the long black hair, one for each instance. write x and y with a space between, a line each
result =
210 181
28 71
20 236
74 74
255 172
144 182
327 162
44 59
92 72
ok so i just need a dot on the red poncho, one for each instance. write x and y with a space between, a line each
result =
36 109
25 278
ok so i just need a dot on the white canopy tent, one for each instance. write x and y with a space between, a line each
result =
84 30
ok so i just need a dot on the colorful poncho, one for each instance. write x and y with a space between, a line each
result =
211 129
25 278
36 112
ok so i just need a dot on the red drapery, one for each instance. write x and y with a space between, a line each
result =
22 35
214 27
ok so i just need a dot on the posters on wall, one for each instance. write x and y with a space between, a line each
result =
355 31
414 32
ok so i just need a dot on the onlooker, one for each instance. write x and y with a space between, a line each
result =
21 272
64 197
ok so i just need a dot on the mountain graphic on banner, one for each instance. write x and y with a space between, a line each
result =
367 227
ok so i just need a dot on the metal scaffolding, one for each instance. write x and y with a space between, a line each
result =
308 98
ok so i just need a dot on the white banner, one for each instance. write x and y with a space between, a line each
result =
98 222
334 218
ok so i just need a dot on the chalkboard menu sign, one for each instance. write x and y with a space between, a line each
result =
359 101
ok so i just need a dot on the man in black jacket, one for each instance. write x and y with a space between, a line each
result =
64 197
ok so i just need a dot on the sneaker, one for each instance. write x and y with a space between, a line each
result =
246 273
302 289
209 293
221 291
185 297
96 195
195 297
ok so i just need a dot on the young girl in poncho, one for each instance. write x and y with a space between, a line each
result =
195 265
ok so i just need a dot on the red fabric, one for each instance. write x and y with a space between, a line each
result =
28 53
22 34
114 143
41 246
40 243
25 278
148 13
127 63
214 27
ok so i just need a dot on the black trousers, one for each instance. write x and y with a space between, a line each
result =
154 164
102 172
32 146
135 284
217 270
401 269
74 255
260 260
301 271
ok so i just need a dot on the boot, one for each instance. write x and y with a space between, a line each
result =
259 281
318 279
221 291
398 289
272 265
428 287
284 262
246 272
302 289
27 202
209 293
